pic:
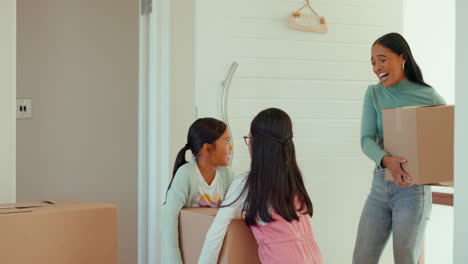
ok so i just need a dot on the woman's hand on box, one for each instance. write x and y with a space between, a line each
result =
394 165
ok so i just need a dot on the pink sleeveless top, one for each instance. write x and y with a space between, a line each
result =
287 242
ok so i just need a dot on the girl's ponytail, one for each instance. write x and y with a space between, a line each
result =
180 160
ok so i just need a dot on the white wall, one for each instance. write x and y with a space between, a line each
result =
460 255
438 244
78 61
182 74
431 36
7 100
319 79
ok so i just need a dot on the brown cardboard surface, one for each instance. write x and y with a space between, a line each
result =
239 247
59 232
443 184
424 136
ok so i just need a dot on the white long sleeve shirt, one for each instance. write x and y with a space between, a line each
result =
217 232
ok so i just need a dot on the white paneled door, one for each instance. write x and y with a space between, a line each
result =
319 79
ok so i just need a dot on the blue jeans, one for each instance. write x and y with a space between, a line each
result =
402 211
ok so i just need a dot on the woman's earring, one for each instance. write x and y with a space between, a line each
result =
403 66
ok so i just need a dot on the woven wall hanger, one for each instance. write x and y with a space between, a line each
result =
310 21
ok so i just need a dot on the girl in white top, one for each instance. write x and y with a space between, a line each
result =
202 182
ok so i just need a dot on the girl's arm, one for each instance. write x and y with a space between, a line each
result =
215 235
176 198
369 145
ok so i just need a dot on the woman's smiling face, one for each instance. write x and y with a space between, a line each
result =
387 65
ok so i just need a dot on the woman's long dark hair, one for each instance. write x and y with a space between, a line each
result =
398 45
274 181
203 130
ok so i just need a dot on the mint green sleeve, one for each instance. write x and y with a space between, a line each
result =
176 198
369 131
438 100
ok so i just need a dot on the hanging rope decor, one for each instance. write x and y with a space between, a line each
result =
309 21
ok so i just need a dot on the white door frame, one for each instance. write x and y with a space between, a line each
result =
460 254
153 135
8 101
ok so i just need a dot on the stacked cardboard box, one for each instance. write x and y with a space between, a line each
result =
58 232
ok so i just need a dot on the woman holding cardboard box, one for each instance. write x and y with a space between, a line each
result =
201 182
394 207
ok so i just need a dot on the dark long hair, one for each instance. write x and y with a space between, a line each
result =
203 130
398 45
274 181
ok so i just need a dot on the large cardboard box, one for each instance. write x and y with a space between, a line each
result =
424 136
58 232
239 247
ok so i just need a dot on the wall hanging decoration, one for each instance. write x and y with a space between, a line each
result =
309 21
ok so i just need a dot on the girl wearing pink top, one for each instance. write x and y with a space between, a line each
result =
276 204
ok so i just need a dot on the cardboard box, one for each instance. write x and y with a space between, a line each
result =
239 247
424 136
58 232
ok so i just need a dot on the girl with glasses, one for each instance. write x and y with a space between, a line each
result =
276 204
201 182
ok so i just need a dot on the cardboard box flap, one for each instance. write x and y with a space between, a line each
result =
50 206
200 210
23 207
207 211
420 106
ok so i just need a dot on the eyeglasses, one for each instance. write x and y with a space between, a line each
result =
248 140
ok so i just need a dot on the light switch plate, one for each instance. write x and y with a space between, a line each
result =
23 108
